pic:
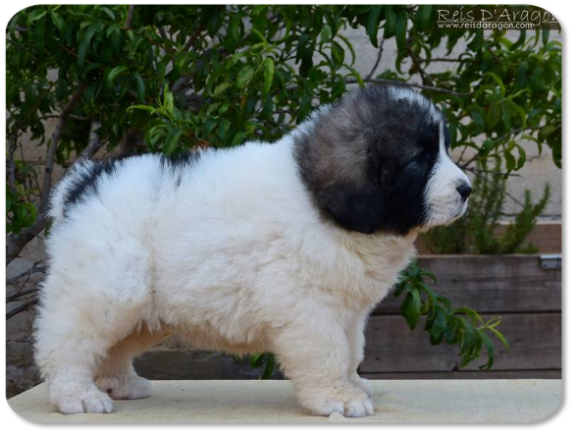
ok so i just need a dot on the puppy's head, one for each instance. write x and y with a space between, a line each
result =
378 160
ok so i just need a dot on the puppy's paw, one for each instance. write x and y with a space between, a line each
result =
83 401
362 384
131 388
350 402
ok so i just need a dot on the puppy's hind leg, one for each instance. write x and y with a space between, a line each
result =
85 310
117 376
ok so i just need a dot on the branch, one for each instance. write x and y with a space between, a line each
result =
377 61
15 243
477 171
192 39
16 297
11 165
51 153
506 135
128 144
489 181
128 21
21 308
34 269
163 32
441 60
415 62
19 293
94 142
413 85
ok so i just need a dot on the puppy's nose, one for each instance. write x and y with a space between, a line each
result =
465 190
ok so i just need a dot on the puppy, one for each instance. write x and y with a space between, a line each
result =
282 247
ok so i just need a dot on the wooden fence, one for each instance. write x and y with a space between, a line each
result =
514 287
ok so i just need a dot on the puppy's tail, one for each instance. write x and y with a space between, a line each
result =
64 189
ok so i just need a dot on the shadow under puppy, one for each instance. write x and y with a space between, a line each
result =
282 247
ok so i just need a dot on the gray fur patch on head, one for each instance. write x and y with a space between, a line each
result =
339 154
409 94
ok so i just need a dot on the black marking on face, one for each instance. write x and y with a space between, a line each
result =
367 160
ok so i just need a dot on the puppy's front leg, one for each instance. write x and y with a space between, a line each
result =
315 354
356 338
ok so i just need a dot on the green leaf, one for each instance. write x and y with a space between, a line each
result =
521 158
108 12
140 87
269 366
545 36
238 138
510 160
256 360
337 54
400 33
478 41
479 121
168 99
494 115
245 75
373 23
439 326
489 348
221 88
423 16
113 74
172 141
325 34
411 308
210 124
390 22
500 337
520 42
85 44
57 20
224 126
268 74
35 15
356 75
148 108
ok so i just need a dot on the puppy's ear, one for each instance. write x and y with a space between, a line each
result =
359 209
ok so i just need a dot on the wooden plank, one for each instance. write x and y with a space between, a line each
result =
467 374
535 343
491 284
546 236
182 364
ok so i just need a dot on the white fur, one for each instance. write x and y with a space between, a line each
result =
235 259
442 197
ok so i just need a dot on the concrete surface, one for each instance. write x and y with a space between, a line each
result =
425 401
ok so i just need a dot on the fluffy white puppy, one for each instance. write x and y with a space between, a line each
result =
282 247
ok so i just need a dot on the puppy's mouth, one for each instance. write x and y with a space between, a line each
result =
463 210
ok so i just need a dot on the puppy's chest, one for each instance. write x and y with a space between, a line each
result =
377 267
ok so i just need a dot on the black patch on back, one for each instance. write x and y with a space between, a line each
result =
178 163
87 183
